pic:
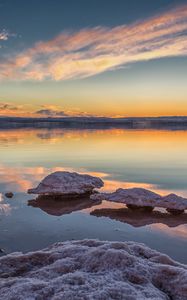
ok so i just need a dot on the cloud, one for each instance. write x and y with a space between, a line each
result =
9 109
8 106
48 110
4 35
94 50
51 113
15 110
58 111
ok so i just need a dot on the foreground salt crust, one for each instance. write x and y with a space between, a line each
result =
144 198
92 269
67 183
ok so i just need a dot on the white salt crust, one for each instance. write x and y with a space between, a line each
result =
92 269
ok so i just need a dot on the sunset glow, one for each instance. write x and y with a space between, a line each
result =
93 144
133 68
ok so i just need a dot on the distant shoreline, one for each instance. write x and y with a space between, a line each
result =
173 122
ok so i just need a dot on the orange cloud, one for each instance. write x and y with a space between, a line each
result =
49 110
11 109
27 110
92 51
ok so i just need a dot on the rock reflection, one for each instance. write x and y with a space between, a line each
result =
140 218
58 205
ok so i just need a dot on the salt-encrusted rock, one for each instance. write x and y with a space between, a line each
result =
138 197
91 269
173 201
129 195
66 183
135 197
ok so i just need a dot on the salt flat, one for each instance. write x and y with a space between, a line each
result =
92 269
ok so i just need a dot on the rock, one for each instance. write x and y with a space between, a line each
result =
92 269
173 201
141 198
66 183
134 197
9 194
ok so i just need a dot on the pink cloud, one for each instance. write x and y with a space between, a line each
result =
48 110
4 35
94 50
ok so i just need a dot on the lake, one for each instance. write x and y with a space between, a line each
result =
153 159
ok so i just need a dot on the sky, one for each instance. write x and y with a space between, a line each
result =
93 58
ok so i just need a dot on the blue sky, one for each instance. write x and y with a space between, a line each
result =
145 85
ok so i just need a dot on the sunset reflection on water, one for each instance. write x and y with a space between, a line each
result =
151 159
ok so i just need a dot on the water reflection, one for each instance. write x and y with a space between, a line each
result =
177 232
141 218
151 159
20 179
5 208
58 206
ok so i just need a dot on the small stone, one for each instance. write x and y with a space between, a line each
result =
9 194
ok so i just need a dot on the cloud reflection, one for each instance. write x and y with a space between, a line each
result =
179 231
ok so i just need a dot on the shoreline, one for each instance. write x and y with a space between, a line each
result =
170 123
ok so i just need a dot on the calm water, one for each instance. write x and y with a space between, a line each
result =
123 158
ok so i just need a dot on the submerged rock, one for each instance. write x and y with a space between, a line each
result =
136 198
66 183
92 269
